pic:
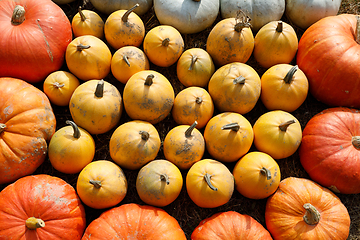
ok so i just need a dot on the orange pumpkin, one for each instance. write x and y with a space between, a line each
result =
193 104
235 87
134 143
302 209
148 96
101 184
133 221
27 122
37 206
228 136
87 22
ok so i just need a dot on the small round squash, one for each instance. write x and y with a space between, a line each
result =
159 183
101 184
87 22
71 148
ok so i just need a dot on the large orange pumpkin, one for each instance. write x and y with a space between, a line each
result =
133 221
41 207
27 122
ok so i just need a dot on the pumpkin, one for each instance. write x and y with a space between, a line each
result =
133 144
235 87
96 106
302 209
59 87
187 16
195 67
323 56
260 12
257 175
110 6
209 183
27 123
148 96
228 136
159 183
87 22
101 184
88 57
277 133
71 148
134 221
229 225
193 104
305 13
127 61
284 87
163 45
35 34
124 28
37 206
231 40
329 151
184 145
276 42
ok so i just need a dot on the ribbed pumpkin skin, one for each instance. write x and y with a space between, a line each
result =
230 225
133 221
27 122
284 212
46 197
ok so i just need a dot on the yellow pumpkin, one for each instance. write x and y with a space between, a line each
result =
88 57
184 145
159 183
127 61
277 133
59 87
71 148
193 104
101 184
209 183
148 96
195 67
134 143
124 28
87 22
96 106
163 45
231 40
276 42
257 175
235 87
284 87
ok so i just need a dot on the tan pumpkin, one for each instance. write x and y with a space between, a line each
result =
87 22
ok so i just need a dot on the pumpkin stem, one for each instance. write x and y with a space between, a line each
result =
149 79
165 42
58 85
312 215
125 17
196 0
33 223
99 92
283 126
144 135
239 80
2 127
357 30
207 178
164 177
18 16
231 126
81 47
193 60
242 21
96 183
82 15
279 27
355 141
190 129
265 172
290 75
77 133
198 100
126 59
